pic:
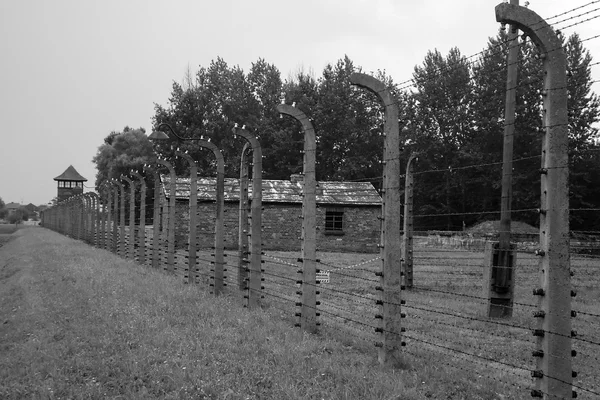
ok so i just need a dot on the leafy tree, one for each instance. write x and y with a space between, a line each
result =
443 128
15 218
122 152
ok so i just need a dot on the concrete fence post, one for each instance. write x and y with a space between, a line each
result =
141 238
407 248
390 289
115 216
308 313
122 248
107 216
96 218
155 217
219 262
193 211
255 256
553 373
131 235
171 215
243 225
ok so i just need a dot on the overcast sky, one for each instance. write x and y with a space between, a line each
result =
72 71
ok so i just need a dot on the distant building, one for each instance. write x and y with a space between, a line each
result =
12 208
70 183
347 213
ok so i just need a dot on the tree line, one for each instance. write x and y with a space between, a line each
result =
451 113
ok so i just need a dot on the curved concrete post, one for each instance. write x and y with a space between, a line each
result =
155 217
254 279
115 215
219 225
171 217
94 218
131 235
407 248
105 224
554 340
86 214
390 350
243 226
122 242
308 316
107 217
141 238
193 218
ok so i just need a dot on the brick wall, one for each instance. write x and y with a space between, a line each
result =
282 227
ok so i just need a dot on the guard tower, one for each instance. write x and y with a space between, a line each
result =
70 183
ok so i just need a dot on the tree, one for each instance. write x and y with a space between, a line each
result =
122 152
3 210
584 113
442 126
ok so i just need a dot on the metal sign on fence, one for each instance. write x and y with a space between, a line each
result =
322 277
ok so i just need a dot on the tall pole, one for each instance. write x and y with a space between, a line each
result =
142 230
155 216
131 236
407 248
390 249
244 226
308 315
193 211
503 268
255 256
553 374
171 217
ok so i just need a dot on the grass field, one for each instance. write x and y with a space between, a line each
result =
452 352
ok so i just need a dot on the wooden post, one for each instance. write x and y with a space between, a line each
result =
390 348
308 314
407 248
131 236
243 225
171 218
193 210
142 229
553 372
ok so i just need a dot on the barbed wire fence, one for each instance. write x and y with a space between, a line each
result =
444 313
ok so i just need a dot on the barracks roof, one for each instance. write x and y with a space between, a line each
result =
280 191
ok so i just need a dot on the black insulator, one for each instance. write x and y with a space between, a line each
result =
538 373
